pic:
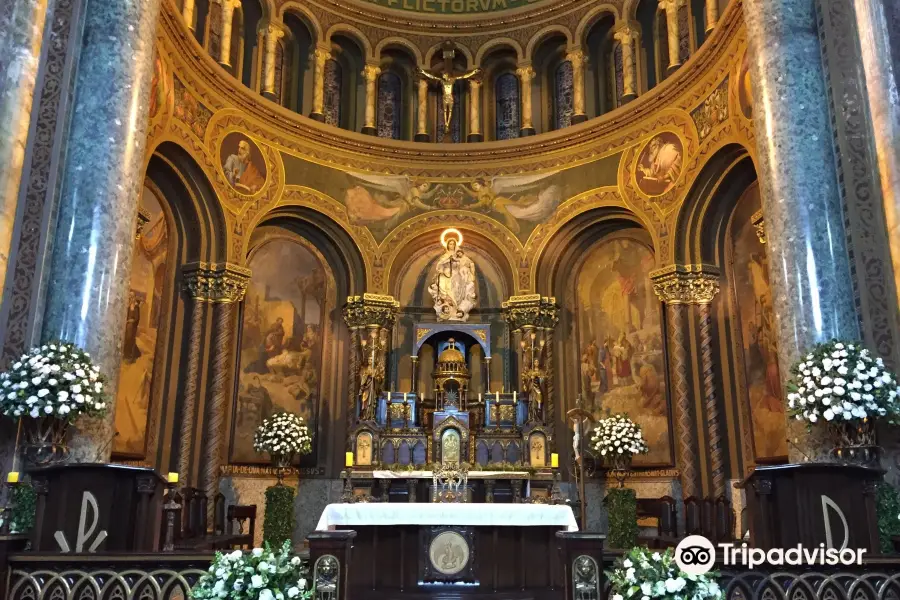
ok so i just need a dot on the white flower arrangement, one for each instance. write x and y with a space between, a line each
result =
644 574
618 436
257 575
841 382
56 380
283 434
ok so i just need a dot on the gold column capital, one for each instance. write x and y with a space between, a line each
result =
370 310
759 223
322 54
273 30
222 283
625 34
525 72
577 57
686 284
531 310
370 72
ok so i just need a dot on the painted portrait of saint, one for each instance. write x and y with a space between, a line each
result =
145 299
243 163
757 320
659 164
620 341
281 341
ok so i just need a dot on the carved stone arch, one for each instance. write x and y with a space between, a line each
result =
542 34
400 42
591 17
494 44
353 33
195 231
704 214
429 55
301 10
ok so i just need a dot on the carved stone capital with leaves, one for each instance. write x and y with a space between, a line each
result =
686 284
223 283
370 310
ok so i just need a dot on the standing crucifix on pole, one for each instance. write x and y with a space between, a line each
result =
582 420
446 76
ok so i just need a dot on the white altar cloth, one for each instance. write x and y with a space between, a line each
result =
401 513
382 474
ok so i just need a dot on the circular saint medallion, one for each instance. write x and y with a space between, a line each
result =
449 553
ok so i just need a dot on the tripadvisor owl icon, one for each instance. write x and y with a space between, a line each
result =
695 555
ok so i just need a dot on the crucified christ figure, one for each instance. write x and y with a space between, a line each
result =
446 80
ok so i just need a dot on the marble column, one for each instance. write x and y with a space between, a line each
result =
187 13
318 108
672 34
370 318
228 7
712 14
475 134
625 36
87 291
526 76
422 112
549 319
678 287
273 33
223 286
21 33
578 59
875 33
370 73
811 282
714 417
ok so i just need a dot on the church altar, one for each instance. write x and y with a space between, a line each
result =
386 514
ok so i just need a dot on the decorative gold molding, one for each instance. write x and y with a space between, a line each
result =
686 284
217 283
532 310
759 223
371 310
143 218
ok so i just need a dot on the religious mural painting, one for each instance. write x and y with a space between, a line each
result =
159 89
620 341
281 341
659 164
519 202
753 299
190 111
243 163
145 303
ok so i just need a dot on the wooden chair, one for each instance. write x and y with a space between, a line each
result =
229 523
237 517
661 512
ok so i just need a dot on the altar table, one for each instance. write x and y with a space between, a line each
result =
473 550
346 516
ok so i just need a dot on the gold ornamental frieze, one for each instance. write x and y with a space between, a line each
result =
686 284
217 283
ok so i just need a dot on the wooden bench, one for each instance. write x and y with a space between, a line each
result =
233 526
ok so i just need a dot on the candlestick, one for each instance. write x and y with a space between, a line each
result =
348 459
554 460
172 478
12 477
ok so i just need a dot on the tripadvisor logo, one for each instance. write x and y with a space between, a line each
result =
696 555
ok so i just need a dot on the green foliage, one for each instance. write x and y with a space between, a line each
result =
621 505
24 503
887 507
644 574
278 523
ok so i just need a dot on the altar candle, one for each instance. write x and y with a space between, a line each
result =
498 397
554 460
479 397
404 397
172 478
514 395
348 461
12 477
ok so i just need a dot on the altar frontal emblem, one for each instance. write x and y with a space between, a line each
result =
448 553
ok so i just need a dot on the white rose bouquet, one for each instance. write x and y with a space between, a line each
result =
840 382
258 575
644 575
283 435
618 435
54 380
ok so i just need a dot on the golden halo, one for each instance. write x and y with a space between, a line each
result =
459 237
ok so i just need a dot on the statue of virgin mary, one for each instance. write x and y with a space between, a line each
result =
453 281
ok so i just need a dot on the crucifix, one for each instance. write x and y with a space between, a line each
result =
446 76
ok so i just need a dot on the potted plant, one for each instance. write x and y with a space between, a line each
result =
283 436
617 439
257 575
47 389
843 386
642 574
